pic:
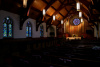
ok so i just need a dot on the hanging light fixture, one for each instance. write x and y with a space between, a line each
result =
44 12
62 21
78 6
54 17
24 3
80 14
81 20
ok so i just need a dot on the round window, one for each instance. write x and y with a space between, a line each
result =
76 21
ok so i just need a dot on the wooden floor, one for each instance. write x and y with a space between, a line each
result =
70 54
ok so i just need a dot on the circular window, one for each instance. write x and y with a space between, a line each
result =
76 21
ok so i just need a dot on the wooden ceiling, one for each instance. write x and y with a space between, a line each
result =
62 9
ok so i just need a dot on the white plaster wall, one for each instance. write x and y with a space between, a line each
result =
35 34
17 33
15 18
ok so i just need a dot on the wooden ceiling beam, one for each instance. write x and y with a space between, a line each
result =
57 11
85 2
45 1
84 10
60 1
61 7
70 14
23 13
66 9
74 11
54 8
48 24
33 8
41 16
48 5
61 14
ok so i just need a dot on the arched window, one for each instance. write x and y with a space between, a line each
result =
41 31
7 27
52 32
28 30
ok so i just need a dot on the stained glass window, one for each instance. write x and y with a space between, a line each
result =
41 31
28 30
10 30
76 21
7 27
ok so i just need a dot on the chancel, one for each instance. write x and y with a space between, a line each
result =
49 33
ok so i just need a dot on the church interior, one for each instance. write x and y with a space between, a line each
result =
49 33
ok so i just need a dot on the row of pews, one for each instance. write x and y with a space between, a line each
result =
20 48
69 54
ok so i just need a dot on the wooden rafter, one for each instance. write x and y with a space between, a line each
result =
45 1
23 13
66 15
85 2
40 15
60 8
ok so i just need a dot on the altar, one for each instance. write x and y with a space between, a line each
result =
73 38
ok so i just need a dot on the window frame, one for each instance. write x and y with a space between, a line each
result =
27 25
7 25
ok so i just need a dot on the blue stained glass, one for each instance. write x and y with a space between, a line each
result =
76 21
3 20
7 27
4 30
41 31
10 30
9 21
28 30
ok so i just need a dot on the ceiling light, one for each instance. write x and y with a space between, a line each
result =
44 12
78 6
61 21
54 18
80 14
24 3
81 20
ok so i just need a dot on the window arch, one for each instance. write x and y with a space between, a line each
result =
29 30
41 31
52 32
7 27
